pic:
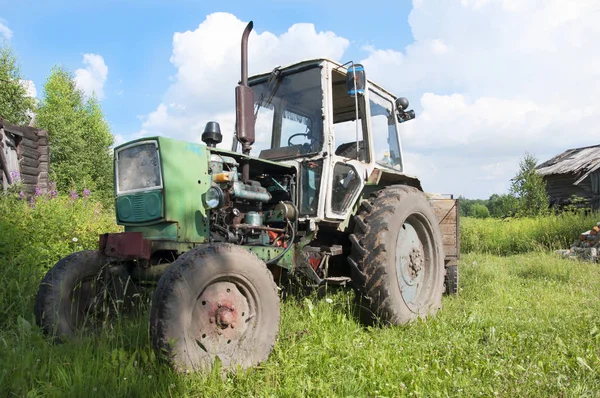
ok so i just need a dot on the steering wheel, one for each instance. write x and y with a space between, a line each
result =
295 135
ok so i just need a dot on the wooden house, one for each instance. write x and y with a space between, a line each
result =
575 172
24 157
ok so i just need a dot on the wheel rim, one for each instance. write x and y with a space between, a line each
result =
414 261
224 319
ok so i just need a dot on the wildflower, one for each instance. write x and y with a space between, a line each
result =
15 176
75 240
74 195
22 195
86 193
52 191
329 300
38 191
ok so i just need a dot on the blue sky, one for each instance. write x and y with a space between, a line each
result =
489 79
135 38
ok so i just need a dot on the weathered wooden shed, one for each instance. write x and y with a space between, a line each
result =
24 156
575 172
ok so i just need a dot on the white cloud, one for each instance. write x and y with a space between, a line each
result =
5 32
91 79
208 70
29 86
489 79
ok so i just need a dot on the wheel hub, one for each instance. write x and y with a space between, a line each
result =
415 262
224 317
410 263
221 317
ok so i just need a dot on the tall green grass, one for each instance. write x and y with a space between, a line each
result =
34 235
521 235
523 325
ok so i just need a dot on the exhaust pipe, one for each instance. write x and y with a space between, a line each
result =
244 107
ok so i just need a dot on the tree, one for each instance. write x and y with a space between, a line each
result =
78 134
16 106
502 205
529 188
479 210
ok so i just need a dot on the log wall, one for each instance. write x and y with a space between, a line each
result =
27 153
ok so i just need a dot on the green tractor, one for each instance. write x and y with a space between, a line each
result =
325 202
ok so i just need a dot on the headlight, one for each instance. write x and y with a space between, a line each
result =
214 197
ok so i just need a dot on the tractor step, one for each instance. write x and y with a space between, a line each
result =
336 280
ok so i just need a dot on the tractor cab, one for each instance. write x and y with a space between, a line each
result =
320 113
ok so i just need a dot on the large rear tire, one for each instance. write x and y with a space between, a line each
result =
80 293
215 301
397 257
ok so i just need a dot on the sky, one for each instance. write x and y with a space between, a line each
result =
489 79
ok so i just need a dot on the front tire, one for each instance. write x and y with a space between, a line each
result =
397 257
215 300
80 293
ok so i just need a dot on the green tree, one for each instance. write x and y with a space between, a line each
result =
479 210
78 134
502 205
529 188
16 106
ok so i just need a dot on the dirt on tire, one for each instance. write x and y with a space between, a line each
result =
378 263
216 300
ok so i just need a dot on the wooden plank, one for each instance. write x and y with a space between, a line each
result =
44 158
33 171
29 143
43 167
28 179
23 131
29 162
43 141
28 152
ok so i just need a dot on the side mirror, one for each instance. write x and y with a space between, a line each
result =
402 114
401 103
356 80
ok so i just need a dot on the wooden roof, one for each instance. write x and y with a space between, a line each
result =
583 161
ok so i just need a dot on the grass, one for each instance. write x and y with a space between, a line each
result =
524 325
522 235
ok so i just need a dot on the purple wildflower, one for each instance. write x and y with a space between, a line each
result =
38 191
86 193
32 202
15 176
52 192
74 195
22 195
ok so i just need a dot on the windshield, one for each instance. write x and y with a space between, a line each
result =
288 115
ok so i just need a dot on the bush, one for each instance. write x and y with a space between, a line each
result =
479 211
36 233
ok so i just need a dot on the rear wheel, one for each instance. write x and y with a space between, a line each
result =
80 293
215 301
451 280
397 256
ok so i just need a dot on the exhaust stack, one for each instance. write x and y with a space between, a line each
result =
244 107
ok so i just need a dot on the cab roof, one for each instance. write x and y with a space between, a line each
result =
316 62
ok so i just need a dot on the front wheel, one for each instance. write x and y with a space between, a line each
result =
397 256
215 301
80 293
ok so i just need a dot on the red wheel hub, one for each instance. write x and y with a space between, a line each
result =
221 317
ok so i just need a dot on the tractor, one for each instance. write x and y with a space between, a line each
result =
321 200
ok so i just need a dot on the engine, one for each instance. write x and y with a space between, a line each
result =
257 212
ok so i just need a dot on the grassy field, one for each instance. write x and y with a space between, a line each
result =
522 235
523 325
526 325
